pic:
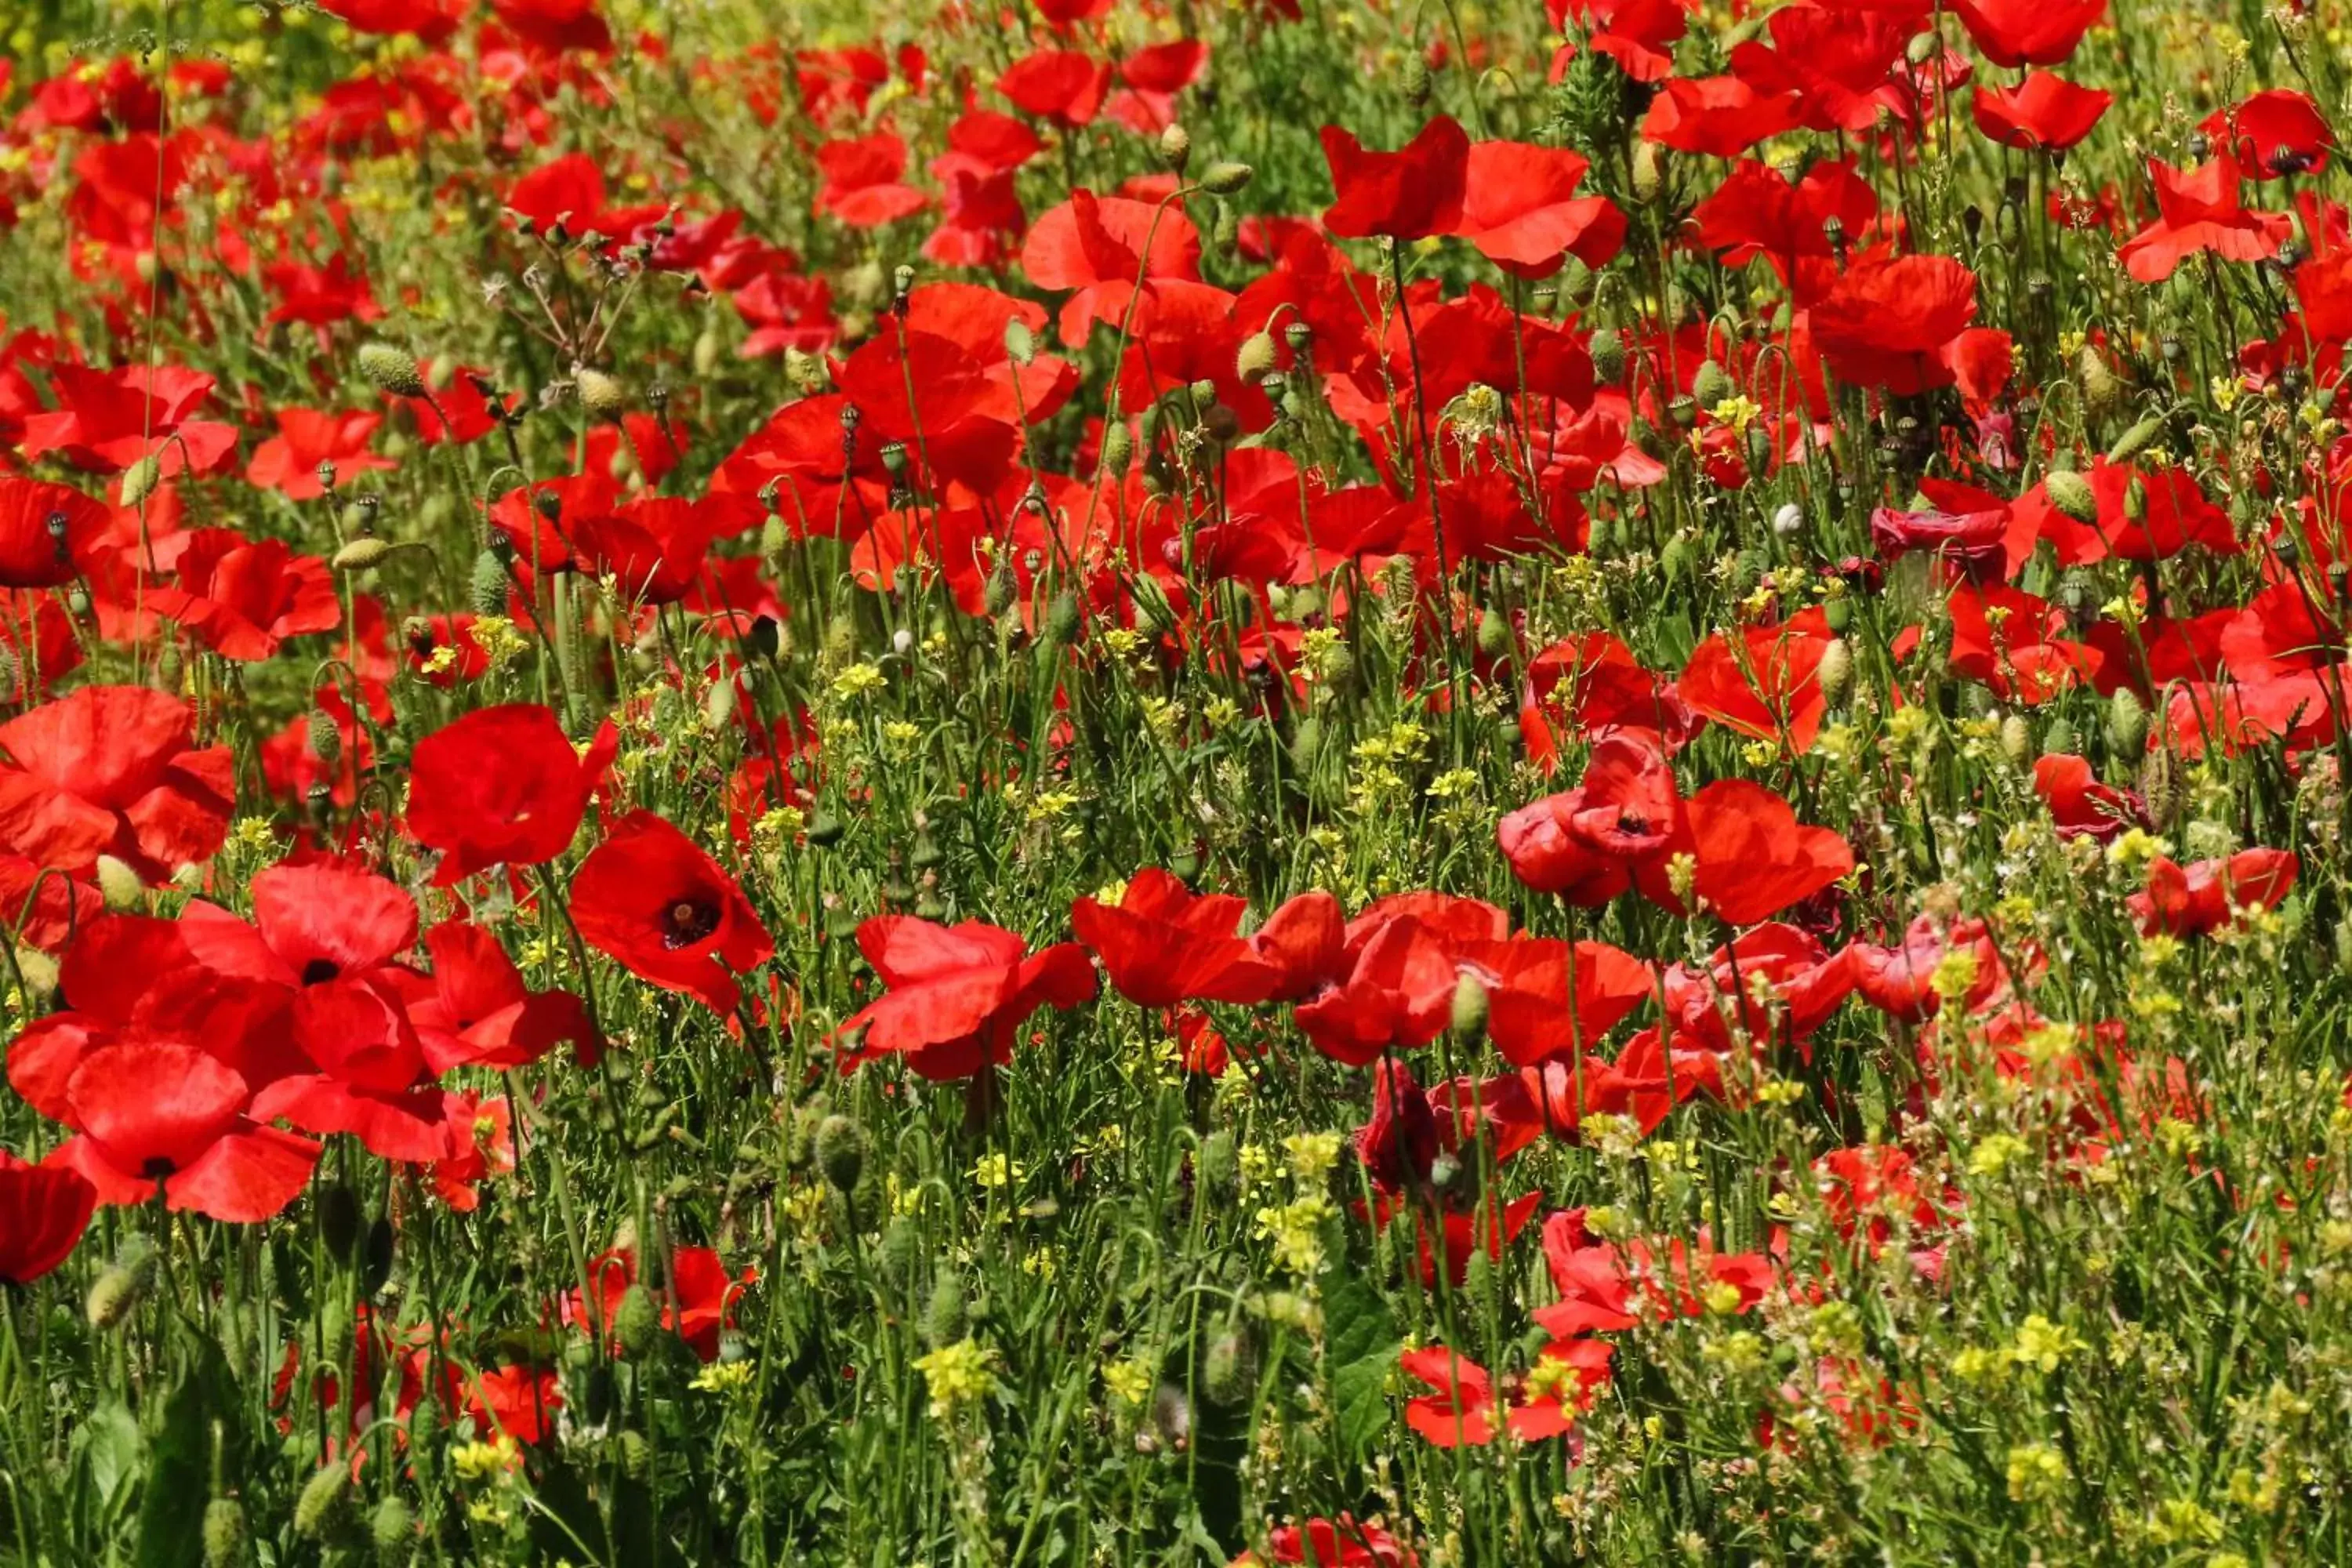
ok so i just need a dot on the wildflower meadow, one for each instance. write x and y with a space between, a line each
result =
991 784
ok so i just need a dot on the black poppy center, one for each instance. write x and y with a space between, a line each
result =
318 971
1633 822
687 922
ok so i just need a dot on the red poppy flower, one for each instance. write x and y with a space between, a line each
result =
1059 85
1721 115
1752 857
2015 33
1581 844
146 1111
1161 943
288 461
650 899
958 994
2144 513
1395 991
2207 894
2200 211
1638 34
1754 211
2079 804
1531 1015
1900 980
1890 320
1840 64
698 1304
519 1401
1767 687
2009 641
2044 112
502 787
2273 133
570 191
113 770
107 420
863 184
1775 983
1409 194
43 1212
1520 209
1340 1543
477 1011
1099 246
243 597
46 532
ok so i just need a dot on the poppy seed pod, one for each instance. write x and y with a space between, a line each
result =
1712 385
360 555
390 369
841 1152
2072 494
1227 179
224 1533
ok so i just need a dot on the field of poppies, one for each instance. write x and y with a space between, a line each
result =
1328 782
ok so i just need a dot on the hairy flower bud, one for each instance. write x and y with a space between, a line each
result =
391 369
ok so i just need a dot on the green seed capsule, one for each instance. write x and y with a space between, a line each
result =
224 1533
841 1152
323 1510
945 1317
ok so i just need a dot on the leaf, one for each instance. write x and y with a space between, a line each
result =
109 1444
176 1475
1360 1348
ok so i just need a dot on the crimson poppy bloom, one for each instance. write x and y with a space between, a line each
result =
1099 246
1721 115
958 994
1340 1543
45 532
2045 112
2207 894
2013 33
2079 804
1059 85
1750 858
1409 194
243 597
651 900
1531 1015
1161 943
477 1011
862 180
1768 688
1775 983
43 1212
113 770
698 1305
1899 980
2200 211
146 1111
502 787
1520 209
1581 844
1395 991
1889 321
1840 64
288 461
2273 133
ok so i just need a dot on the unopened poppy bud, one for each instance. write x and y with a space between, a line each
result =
1020 343
392 1529
1117 447
2135 441
1307 743
1712 385
360 555
1608 351
825 829
2072 494
118 884
1835 672
2016 740
709 346
390 369
1417 81
1229 1370
117 1291
1923 46
1470 1008
1218 1163
2136 501
1175 147
945 1318
637 1321
224 1533
2102 388
600 394
1494 632
1227 179
1649 171
488 589
1062 617
2059 739
2163 787
2126 723
841 1152
140 480
340 1220
1255 360
323 1510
